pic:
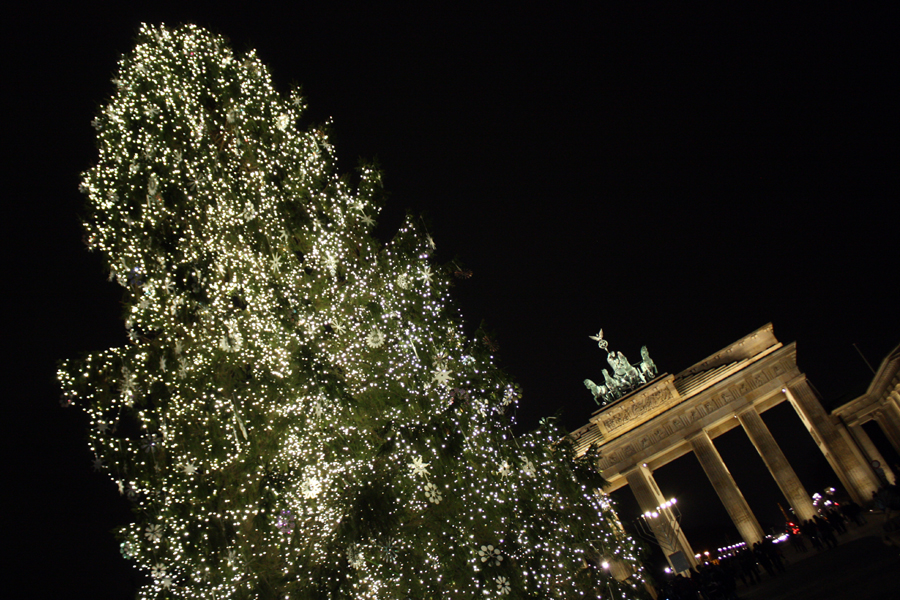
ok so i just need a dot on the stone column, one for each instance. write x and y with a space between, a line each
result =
865 444
856 477
664 526
726 488
888 418
778 465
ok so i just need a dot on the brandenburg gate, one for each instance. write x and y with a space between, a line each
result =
663 417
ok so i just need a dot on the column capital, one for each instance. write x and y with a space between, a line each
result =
697 434
637 467
745 409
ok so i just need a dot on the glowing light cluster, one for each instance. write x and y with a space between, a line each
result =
298 413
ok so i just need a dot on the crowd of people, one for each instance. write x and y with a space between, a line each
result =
718 579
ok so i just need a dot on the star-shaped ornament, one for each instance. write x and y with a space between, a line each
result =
441 376
418 467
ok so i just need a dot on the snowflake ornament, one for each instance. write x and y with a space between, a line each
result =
503 587
441 376
390 548
375 339
231 557
249 213
433 493
318 410
127 384
158 570
285 522
426 275
231 340
354 557
189 468
508 398
505 469
528 468
126 550
150 442
489 554
418 467
154 533
331 264
311 488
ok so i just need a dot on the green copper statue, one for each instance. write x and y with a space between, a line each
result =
625 377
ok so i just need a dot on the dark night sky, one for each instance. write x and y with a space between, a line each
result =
676 175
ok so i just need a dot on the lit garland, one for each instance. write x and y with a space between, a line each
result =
299 413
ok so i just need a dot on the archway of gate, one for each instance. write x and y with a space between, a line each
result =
674 415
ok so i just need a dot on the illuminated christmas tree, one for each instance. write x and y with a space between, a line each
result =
298 413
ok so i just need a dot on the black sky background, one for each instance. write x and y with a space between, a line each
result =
678 175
